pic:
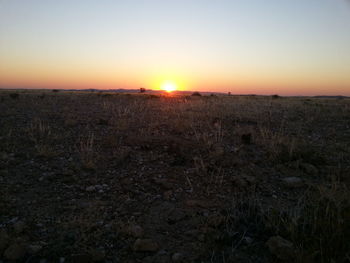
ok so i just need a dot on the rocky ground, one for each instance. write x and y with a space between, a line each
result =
99 177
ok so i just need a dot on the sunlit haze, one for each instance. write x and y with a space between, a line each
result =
281 47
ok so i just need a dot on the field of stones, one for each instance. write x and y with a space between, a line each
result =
109 177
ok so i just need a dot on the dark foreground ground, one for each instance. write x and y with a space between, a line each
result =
98 177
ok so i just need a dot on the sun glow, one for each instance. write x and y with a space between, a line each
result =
169 86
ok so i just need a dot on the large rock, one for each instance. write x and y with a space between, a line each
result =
280 247
145 245
293 182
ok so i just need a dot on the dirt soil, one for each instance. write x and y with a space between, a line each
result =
102 177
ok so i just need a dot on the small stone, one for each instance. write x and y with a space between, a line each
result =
90 188
34 249
280 247
177 257
136 231
248 240
15 252
176 215
19 227
251 180
145 245
292 182
309 168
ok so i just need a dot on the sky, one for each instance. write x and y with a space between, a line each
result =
298 47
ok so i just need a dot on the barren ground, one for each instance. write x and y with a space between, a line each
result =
98 177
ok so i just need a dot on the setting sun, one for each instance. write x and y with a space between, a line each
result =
169 86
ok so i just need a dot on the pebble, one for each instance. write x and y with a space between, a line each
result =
248 240
292 182
136 231
176 215
177 257
309 168
145 245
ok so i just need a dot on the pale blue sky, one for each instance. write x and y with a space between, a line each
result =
217 45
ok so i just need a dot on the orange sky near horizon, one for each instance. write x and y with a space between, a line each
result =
284 48
239 83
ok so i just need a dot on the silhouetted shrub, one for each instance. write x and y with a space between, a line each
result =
275 96
142 90
196 94
55 90
14 95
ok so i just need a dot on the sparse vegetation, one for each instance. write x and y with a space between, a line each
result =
106 177
14 95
